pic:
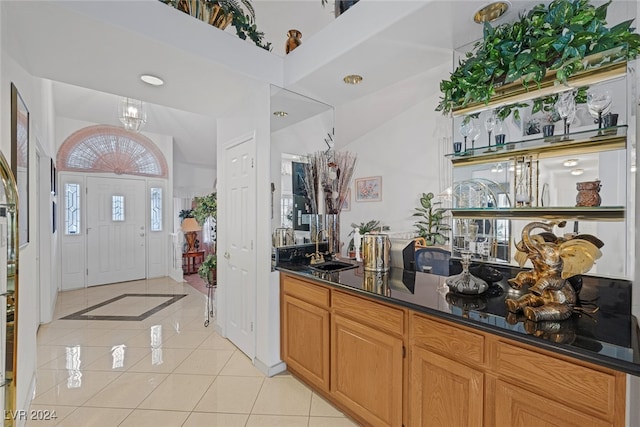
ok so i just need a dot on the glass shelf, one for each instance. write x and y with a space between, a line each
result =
598 213
593 140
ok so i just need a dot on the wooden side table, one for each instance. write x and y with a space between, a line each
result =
191 261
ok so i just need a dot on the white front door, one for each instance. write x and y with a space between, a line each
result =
115 230
240 212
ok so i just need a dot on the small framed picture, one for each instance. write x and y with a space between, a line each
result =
346 204
369 189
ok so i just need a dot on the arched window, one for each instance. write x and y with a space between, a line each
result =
104 148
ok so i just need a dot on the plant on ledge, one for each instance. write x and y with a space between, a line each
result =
221 13
432 227
556 38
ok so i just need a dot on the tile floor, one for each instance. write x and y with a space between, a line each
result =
166 370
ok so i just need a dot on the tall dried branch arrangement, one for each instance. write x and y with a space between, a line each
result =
345 164
311 183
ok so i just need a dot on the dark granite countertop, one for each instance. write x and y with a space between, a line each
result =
608 337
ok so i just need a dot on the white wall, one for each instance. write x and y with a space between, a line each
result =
406 151
37 96
252 115
193 180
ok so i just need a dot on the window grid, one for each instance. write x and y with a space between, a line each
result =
117 208
72 209
156 209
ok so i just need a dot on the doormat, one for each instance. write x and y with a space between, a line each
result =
129 304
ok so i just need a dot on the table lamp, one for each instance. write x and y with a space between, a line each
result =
190 227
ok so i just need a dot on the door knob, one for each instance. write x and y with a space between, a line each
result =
227 255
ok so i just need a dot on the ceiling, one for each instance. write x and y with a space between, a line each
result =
94 51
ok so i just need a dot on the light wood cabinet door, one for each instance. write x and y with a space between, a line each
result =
444 392
515 407
305 340
366 371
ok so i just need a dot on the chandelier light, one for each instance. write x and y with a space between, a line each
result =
132 115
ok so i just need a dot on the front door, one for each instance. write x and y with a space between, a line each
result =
240 208
115 230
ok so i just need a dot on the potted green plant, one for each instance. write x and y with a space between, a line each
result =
205 207
207 270
432 227
221 13
185 213
554 37
364 227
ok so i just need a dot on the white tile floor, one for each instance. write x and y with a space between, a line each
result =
167 370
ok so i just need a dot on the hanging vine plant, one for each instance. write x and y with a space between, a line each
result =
556 38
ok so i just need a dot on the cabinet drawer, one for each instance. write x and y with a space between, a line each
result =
596 392
306 291
371 313
448 340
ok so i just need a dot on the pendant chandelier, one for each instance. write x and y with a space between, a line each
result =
132 115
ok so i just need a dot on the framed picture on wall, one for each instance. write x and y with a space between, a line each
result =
369 189
20 160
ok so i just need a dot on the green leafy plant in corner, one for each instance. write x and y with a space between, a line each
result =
432 226
552 37
365 227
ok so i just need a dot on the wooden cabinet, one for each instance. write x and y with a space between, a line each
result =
444 392
351 349
305 330
511 406
367 371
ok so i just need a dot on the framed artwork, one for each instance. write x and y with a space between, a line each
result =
20 160
369 189
346 205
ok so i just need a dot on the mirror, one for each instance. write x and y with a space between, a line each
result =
8 285
299 126
554 183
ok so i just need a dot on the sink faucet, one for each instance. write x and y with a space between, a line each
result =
317 257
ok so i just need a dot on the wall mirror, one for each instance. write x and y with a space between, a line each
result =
554 184
299 126
8 286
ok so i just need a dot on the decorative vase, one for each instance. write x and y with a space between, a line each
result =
588 193
465 282
293 40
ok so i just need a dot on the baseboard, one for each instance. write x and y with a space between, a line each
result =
269 370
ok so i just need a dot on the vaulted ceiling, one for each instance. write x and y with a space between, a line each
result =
94 52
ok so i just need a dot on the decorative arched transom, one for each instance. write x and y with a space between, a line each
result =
104 148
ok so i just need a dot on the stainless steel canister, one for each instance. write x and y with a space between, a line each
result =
283 237
375 252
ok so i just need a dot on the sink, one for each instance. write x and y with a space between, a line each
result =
333 266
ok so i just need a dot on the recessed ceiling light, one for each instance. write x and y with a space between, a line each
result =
352 79
152 80
570 163
577 171
491 12
280 113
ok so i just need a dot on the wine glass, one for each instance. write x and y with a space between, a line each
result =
474 133
598 102
466 128
490 124
566 107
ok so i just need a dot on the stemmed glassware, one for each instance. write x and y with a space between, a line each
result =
566 108
598 103
490 124
468 129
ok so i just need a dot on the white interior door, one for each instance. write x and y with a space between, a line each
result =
240 208
115 230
